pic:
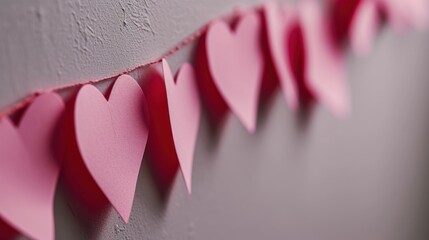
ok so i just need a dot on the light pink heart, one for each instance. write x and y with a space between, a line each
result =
29 168
278 22
111 137
364 26
400 14
185 110
325 67
403 14
235 62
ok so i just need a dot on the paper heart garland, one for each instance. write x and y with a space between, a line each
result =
30 168
235 64
277 23
325 65
111 137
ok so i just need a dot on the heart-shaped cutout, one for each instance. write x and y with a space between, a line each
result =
175 111
278 23
235 62
365 20
185 111
405 14
111 137
363 27
30 168
325 72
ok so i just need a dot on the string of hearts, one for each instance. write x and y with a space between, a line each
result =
237 64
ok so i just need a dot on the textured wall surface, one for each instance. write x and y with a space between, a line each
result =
313 177
47 43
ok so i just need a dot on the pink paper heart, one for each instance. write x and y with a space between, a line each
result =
364 27
184 110
400 14
111 137
278 22
406 13
235 62
325 65
29 168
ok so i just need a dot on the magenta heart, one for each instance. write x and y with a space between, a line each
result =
29 168
184 110
235 61
111 137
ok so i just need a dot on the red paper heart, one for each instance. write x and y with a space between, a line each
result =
235 65
111 137
29 168
341 14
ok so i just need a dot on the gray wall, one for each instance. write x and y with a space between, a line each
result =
47 43
296 178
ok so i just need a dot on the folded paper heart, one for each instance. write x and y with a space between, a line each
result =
364 25
30 168
278 22
174 106
405 14
355 21
111 137
325 70
185 110
361 18
235 64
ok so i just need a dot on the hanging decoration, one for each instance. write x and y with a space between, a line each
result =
97 141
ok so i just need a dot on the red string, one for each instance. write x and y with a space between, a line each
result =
29 99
